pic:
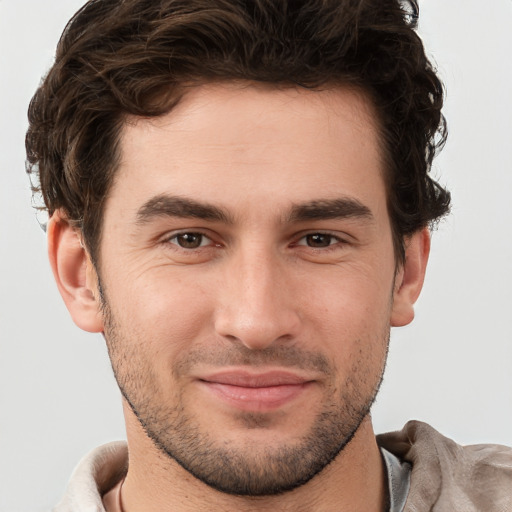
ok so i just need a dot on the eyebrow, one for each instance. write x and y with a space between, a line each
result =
325 209
173 206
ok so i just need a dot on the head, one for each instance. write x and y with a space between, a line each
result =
250 182
118 59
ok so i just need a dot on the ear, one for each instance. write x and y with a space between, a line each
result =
74 273
409 278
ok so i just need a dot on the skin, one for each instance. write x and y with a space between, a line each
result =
253 275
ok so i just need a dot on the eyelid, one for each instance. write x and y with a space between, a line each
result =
204 240
339 238
168 237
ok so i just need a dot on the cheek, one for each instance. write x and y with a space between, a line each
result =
350 318
164 313
348 299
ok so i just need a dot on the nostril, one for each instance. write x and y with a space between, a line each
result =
258 333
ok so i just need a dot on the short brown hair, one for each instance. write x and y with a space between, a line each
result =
133 57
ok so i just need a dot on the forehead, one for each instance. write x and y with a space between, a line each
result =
224 142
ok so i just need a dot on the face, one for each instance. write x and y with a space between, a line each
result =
248 274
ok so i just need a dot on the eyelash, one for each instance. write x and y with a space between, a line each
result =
203 236
334 241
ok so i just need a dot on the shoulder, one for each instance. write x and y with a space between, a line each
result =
448 476
95 474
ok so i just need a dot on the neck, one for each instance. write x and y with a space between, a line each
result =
354 481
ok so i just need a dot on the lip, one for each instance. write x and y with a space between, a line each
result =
257 392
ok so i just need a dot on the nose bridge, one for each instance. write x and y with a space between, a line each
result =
257 307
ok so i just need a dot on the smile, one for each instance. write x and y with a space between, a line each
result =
256 392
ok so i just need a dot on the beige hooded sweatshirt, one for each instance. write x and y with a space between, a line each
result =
446 477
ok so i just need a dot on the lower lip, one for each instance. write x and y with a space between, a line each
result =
256 399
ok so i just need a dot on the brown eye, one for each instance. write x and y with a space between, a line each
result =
189 240
319 240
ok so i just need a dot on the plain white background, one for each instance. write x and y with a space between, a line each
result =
452 367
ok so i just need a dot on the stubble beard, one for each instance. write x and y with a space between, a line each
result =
253 470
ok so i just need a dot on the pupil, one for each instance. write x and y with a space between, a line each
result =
190 240
319 240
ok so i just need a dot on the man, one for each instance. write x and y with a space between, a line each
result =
240 201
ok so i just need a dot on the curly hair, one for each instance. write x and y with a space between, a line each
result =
120 58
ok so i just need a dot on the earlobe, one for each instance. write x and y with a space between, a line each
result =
409 278
74 274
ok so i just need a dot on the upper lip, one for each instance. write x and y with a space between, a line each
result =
248 379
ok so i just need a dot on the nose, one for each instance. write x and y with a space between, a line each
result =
258 305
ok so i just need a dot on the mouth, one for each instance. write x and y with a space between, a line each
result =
257 392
